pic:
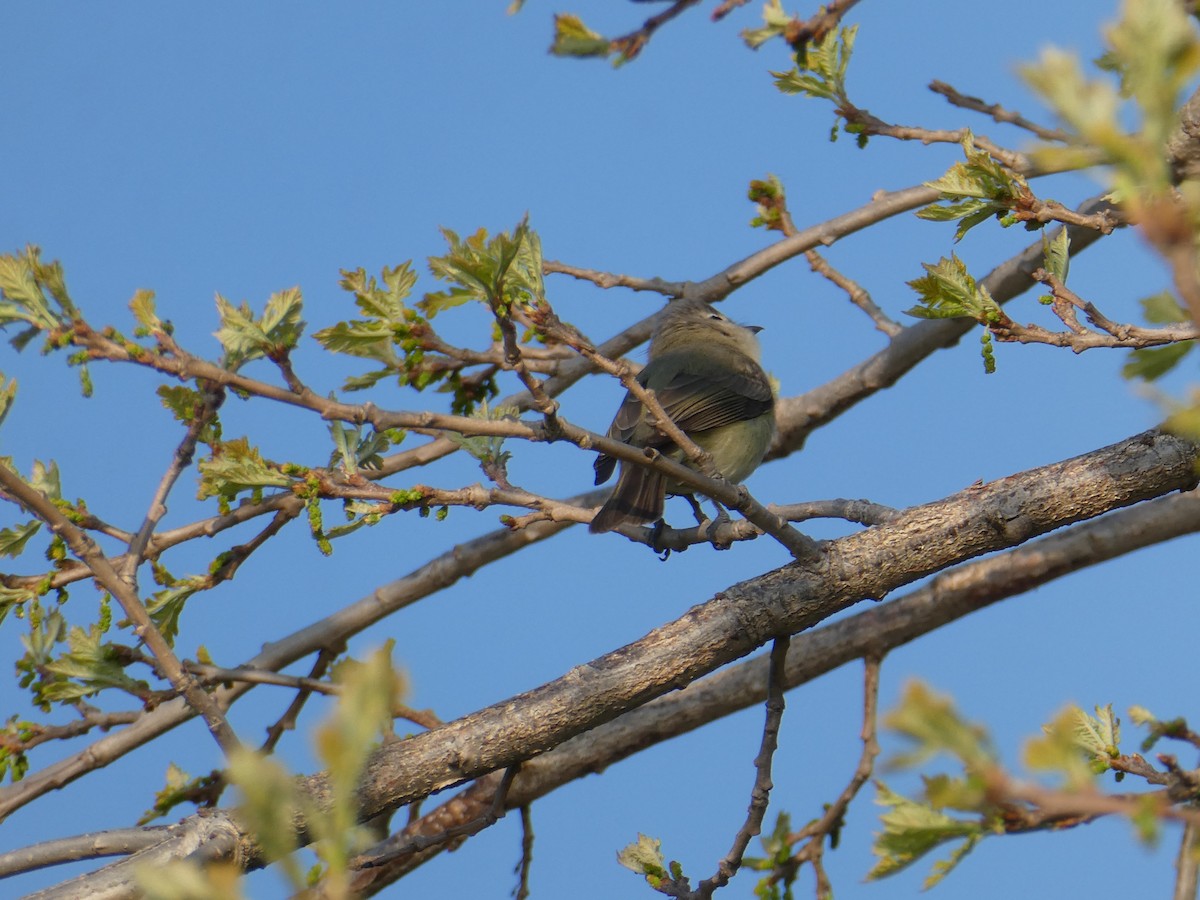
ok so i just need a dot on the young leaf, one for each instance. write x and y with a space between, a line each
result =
246 338
234 467
13 540
8 393
166 606
821 70
1075 745
775 24
644 857
573 38
88 666
934 726
500 272
143 309
980 187
1056 255
949 291
911 829
27 288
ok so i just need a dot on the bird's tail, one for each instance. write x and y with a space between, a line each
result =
637 498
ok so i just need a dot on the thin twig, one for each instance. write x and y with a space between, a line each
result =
1079 338
997 112
612 280
306 688
760 794
817 832
180 460
434 575
92 720
630 45
858 295
526 861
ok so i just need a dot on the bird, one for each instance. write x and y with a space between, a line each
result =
705 372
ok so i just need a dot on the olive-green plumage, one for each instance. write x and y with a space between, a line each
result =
704 370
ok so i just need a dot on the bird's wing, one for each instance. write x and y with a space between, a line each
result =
700 396
701 400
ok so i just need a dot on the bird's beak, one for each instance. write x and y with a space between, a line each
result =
753 329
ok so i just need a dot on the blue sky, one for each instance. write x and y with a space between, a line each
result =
244 150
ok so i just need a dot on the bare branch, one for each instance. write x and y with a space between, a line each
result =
760 794
610 280
857 293
874 631
180 460
997 112
819 830
630 45
1187 864
307 687
1079 338
867 564
93 845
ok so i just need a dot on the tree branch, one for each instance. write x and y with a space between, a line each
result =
877 630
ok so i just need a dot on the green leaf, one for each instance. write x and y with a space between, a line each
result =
166 606
89 666
775 24
573 38
354 450
179 788
934 726
948 291
486 448
183 402
8 393
1163 309
13 761
389 324
235 466
501 272
246 338
281 319
912 830
1155 49
28 289
1152 363
13 540
1185 419
142 305
975 189
644 857
14 598
1075 745
268 804
821 70
1056 254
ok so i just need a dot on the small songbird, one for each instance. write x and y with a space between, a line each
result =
704 370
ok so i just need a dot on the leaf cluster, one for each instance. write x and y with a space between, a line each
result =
977 189
1154 50
820 70
1074 748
